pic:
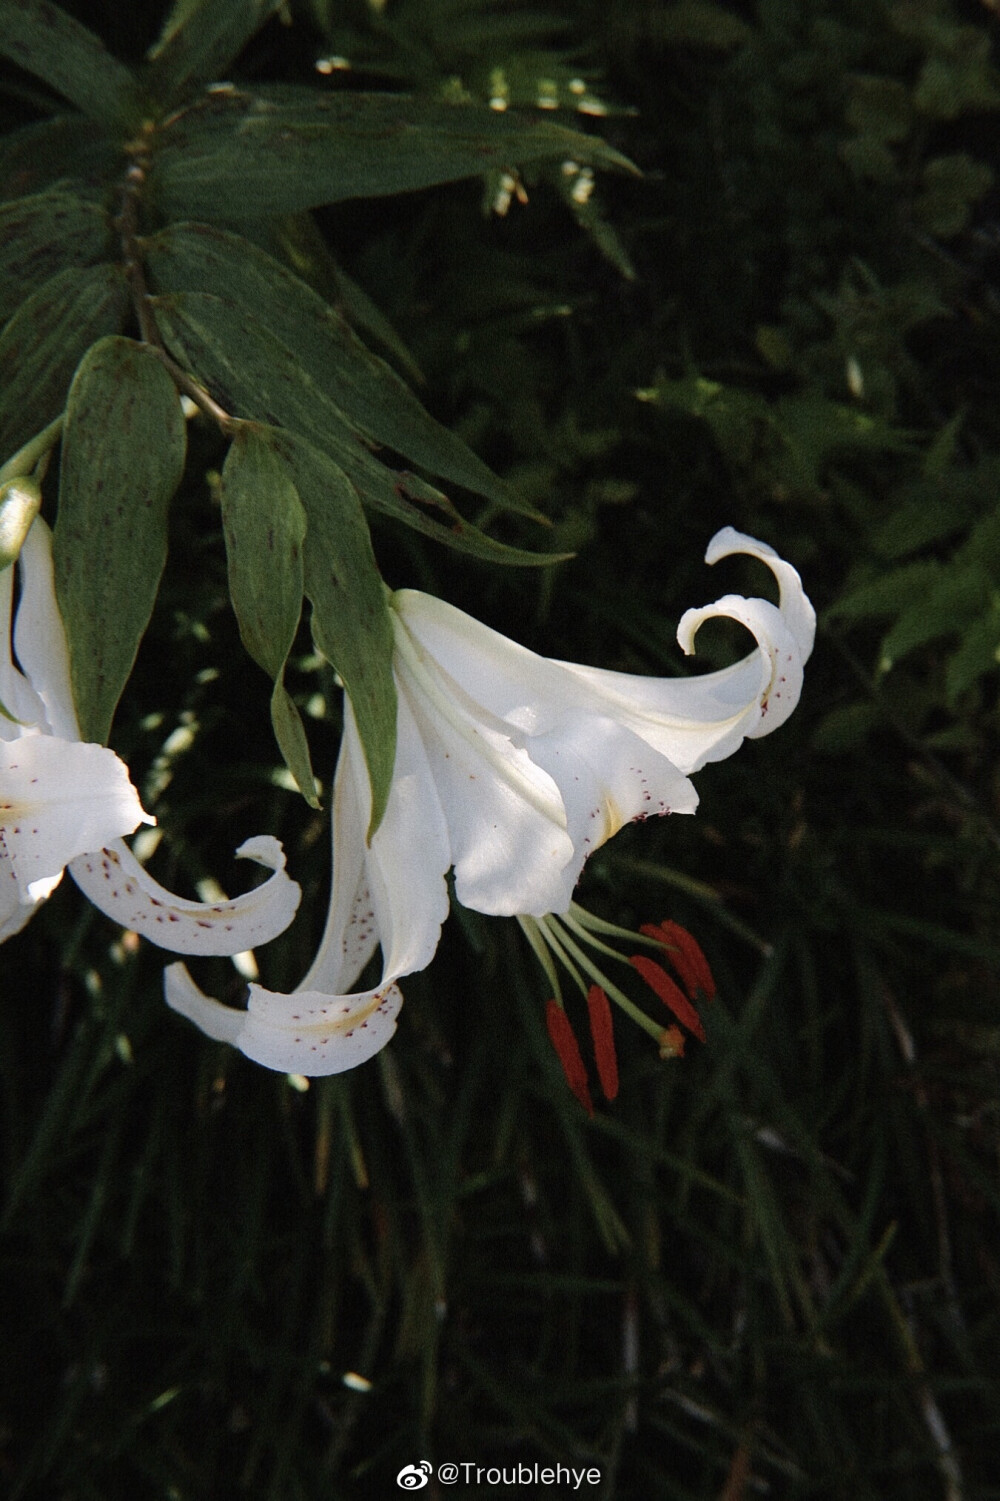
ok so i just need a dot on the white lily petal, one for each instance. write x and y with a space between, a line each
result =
392 892
58 798
608 777
798 613
17 697
115 882
304 1033
39 638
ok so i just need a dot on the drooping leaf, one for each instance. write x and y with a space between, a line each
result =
295 239
372 397
265 526
350 617
284 149
200 38
123 451
256 376
49 43
68 152
40 236
44 342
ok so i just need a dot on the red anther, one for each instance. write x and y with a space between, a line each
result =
568 1052
670 994
602 1032
686 956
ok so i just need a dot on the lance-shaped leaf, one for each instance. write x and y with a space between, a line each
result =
199 40
255 375
43 39
46 339
350 614
122 458
371 396
283 149
42 235
265 526
67 151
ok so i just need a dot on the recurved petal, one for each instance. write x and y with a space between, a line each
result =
59 799
699 719
303 1033
798 613
392 892
608 776
115 882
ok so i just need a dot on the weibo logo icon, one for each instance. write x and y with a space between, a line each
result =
414 1477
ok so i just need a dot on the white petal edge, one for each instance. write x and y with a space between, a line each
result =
392 893
59 799
115 882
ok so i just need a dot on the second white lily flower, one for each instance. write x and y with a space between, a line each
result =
511 769
64 802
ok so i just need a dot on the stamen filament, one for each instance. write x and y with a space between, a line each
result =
599 977
592 924
529 928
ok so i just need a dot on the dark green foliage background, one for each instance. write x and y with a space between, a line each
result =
770 1268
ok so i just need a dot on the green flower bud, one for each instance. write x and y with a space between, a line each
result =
20 500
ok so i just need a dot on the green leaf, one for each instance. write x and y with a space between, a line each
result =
697 23
948 606
199 40
40 236
44 342
47 42
265 526
297 240
284 149
122 458
375 401
977 654
68 152
890 593
951 185
254 375
350 616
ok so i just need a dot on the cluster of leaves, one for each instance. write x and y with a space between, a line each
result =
113 215
769 1267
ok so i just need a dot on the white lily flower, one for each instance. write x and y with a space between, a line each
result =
511 769
65 802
